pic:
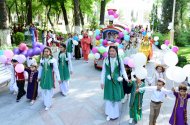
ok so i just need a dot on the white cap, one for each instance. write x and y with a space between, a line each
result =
161 79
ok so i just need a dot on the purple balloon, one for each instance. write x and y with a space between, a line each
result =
94 50
30 52
105 42
98 37
25 53
38 44
121 35
37 51
105 54
16 51
118 41
42 47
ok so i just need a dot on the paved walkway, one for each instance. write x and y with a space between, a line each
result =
83 106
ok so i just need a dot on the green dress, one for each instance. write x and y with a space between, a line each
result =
113 89
63 67
136 101
70 46
47 76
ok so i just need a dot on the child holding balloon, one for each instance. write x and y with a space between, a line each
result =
179 114
111 77
19 78
48 66
65 69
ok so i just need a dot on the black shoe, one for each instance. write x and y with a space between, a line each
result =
17 100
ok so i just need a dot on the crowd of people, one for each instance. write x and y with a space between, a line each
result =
117 79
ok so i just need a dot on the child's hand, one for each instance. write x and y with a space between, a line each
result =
102 86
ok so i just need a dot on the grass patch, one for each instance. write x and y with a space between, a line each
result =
185 51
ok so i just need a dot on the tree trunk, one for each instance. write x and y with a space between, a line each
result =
77 16
5 38
29 14
81 17
65 16
49 18
17 12
102 12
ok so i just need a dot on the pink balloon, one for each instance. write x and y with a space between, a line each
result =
9 54
110 12
98 37
94 50
3 59
19 68
166 42
175 49
127 29
121 35
105 54
22 46
116 15
131 63
105 42
126 60
118 41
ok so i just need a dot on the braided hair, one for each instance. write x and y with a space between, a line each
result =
116 49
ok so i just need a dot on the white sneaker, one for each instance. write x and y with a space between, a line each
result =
46 108
32 102
130 120
108 118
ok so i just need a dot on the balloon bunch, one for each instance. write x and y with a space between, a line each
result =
98 52
6 56
168 46
112 15
36 49
175 73
137 61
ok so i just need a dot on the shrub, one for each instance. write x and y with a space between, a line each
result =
182 61
182 38
18 38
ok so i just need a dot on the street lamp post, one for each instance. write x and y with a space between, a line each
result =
172 30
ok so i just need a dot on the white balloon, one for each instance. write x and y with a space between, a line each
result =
90 33
91 56
169 72
97 56
140 59
169 27
163 47
111 17
121 52
23 57
141 72
75 42
178 75
156 38
116 44
188 79
186 70
170 58
80 37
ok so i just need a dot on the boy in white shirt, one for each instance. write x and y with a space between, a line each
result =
157 97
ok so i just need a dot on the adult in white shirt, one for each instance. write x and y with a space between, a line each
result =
157 97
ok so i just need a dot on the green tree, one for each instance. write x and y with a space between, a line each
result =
76 16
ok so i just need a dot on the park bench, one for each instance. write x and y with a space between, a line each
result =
5 75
